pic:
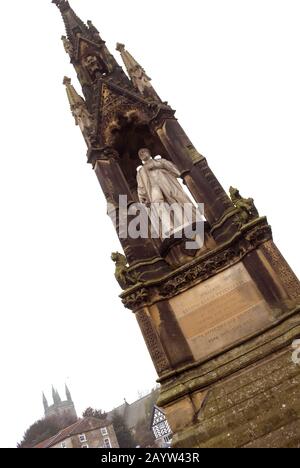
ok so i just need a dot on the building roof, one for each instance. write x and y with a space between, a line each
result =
80 427
139 411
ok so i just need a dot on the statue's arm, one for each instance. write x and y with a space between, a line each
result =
142 194
170 167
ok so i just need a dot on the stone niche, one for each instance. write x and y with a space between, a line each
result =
220 312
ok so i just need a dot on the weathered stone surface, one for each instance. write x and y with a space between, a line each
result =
219 325
221 311
259 407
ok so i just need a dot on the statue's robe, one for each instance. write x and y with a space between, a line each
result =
158 184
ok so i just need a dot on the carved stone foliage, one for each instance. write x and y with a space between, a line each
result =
136 298
94 32
258 235
125 278
67 46
286 274
116 106
246 208
152 341
200 269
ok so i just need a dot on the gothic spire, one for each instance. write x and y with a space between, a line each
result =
88 52
79 110
139 78
130 63
45 402
74 25
68 393
53 393
55 396
58 399
74 98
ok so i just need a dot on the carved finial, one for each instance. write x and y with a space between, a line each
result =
73 24
120 47
67 81
61 4
94 31
92 27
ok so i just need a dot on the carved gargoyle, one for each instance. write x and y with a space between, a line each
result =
246 206
125 278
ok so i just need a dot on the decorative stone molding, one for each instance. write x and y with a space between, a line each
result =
200 269
287 277
153 342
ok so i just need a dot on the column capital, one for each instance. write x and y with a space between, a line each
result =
105 153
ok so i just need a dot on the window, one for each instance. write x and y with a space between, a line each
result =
107 443
82 438
158 417
85 446
63 445
162 429
104 431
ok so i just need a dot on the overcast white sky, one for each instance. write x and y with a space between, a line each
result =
231 69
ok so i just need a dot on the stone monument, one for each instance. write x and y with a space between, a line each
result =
220 322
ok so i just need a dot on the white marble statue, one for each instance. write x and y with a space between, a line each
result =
159 189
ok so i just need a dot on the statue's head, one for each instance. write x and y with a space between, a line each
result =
233 191
144 154
118 259
94 65
115 256
234 194
91 63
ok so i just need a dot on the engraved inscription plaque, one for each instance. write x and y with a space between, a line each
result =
221 311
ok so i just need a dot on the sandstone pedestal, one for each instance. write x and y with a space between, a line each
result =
220 332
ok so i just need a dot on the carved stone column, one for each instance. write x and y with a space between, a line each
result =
197 175
142 254
153 342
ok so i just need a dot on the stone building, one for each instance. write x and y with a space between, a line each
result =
85 433
136 412
60 408
147 423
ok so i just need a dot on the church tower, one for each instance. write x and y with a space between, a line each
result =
219 321
45 403
61 409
